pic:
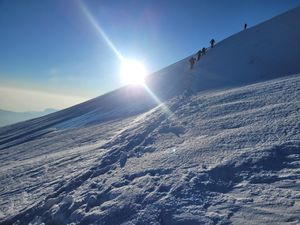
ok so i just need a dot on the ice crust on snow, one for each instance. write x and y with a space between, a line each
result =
228 153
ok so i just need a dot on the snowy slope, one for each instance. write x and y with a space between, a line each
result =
228 156
268 50
216 156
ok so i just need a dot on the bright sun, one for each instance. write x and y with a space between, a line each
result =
133 72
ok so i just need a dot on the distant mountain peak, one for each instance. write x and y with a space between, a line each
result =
10 117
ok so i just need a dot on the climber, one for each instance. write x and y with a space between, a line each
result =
212 43
199 53
203 51
245 26
192 62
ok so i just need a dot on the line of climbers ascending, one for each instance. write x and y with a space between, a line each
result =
202 52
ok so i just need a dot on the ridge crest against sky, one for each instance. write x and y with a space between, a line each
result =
51 48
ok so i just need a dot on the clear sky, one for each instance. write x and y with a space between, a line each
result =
56 53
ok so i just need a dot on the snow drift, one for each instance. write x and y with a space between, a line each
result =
218 155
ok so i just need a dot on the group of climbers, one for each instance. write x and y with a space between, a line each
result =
202 51
200 54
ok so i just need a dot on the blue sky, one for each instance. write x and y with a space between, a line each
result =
51 56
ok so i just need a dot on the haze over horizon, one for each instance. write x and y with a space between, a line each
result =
53 56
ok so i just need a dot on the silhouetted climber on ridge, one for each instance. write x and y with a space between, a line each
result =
192 62
199 53
212 43
203 51
245 26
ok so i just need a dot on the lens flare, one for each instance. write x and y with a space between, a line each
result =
133 72
94 24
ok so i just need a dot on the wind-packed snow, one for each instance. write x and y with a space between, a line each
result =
209 154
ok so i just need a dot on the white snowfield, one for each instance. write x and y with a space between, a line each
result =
223 148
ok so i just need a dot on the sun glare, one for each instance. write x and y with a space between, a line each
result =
133 72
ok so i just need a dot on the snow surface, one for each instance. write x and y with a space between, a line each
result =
219 152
